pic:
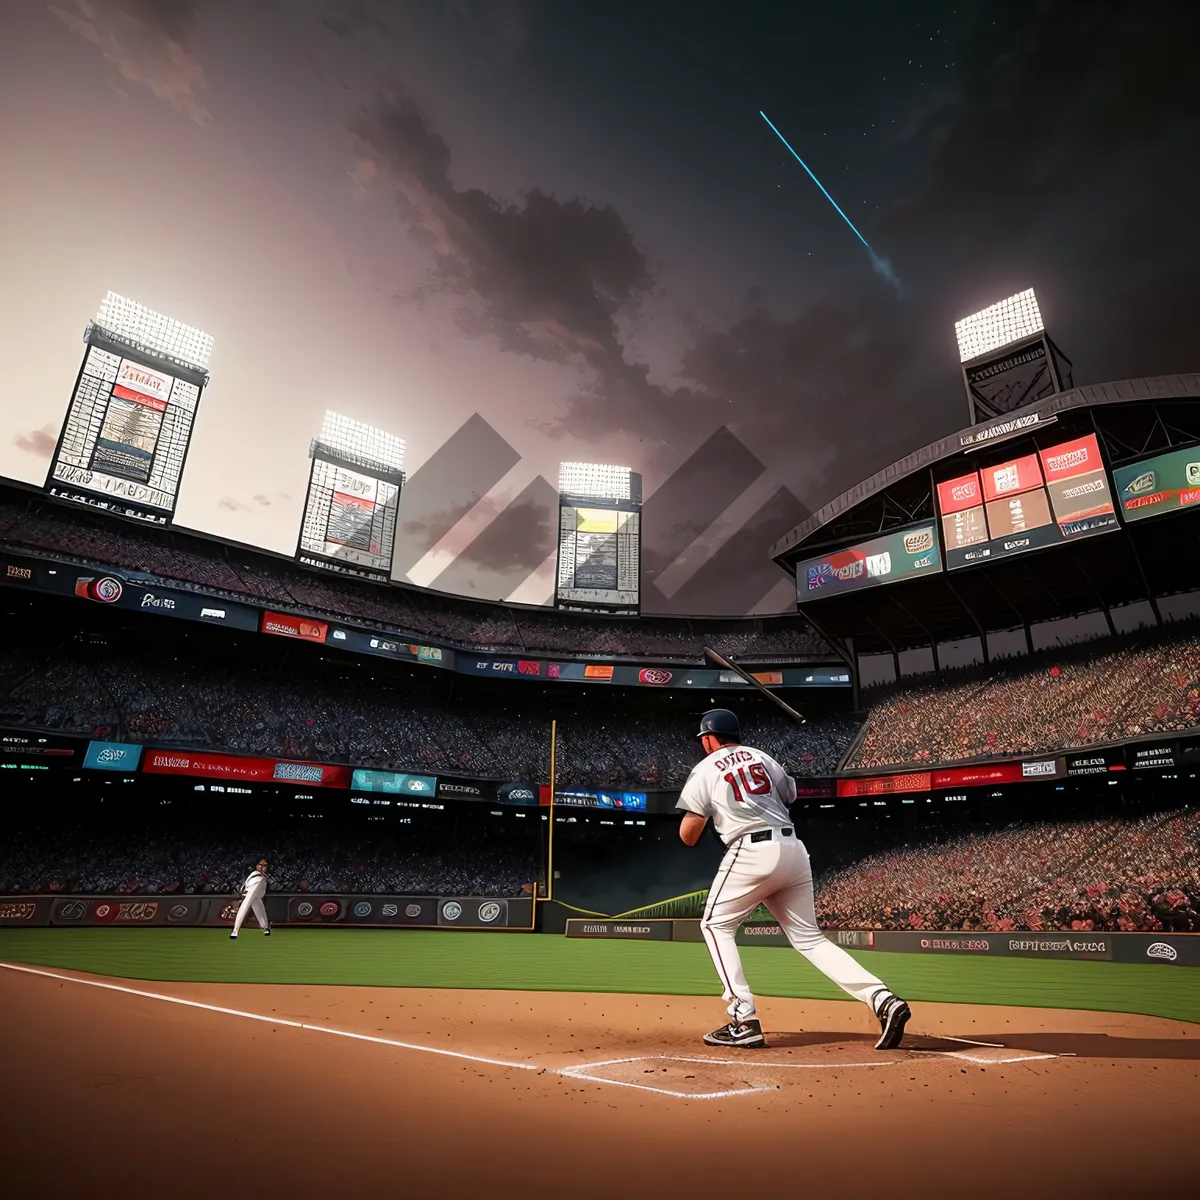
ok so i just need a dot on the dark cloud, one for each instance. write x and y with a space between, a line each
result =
38 441
148 42
546 277
1050 93
173 19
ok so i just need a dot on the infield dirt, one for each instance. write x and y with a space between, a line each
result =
609 1096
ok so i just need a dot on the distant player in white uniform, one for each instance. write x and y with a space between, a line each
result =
253 891
746 793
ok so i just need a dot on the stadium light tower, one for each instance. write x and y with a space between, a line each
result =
599 539
354 484
125 439
1008 360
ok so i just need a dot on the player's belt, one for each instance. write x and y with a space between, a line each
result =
764 835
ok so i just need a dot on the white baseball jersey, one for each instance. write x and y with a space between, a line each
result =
255 885
742 790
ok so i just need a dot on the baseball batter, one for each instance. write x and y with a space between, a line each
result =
746 794
253 891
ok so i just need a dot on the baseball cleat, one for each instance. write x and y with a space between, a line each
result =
266 933
893 1016
746 1034
233 937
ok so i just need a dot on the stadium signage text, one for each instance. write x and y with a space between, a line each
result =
229 766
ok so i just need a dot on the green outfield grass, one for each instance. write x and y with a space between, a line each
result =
531 962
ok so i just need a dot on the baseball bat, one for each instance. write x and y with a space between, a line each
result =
722 661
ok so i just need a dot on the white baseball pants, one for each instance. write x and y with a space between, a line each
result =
260 912
776 873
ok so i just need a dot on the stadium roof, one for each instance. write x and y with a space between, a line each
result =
993 432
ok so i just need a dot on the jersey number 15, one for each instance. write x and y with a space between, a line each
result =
759 783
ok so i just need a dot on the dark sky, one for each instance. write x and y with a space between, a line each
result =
570 219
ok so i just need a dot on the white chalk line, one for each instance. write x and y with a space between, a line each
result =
580 1071
238 1012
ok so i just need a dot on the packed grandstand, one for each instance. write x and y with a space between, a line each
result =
241 573
166 684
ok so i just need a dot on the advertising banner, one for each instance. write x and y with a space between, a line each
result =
124 593
956 495
394 783
465 912
23 748
576 798
1165 483
883 785
465 789
1011 478
904 554
602 927
229 766
24 910
1099 762
518 793
1150 758
112 756
306 628
955 777
1161 949
1006 945
1045 768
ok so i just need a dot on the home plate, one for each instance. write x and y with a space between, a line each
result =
700 1078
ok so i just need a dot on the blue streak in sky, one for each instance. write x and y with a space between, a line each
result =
881 265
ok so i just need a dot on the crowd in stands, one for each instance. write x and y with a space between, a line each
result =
190 562
93 859
1118 689
1112 875
155 693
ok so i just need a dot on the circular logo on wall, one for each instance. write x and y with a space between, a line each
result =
105 912
412 910
1162 950
390 910
329 908
657 675
177 912
106 589
304 909
362 909
73 911
452 911
488 912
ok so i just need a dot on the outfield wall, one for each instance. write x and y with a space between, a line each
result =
412 912
1178 949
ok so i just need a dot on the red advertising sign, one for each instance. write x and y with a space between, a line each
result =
884 785
654 675
526 666
1072 458
305 628
140 398
955 495
231 766
977 776
1008 478
597 671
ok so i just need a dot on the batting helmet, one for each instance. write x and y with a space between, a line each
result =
721 723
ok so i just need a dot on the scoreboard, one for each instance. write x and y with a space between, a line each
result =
126 434
1042 498
349 522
